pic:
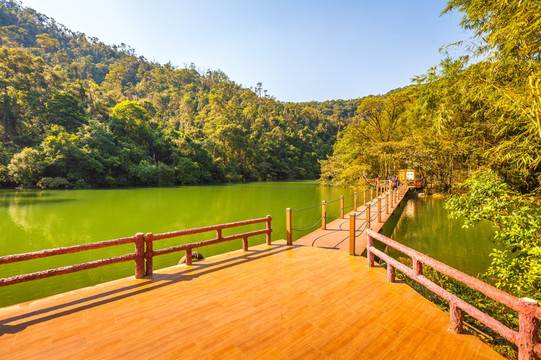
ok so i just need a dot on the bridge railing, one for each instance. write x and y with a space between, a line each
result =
138 256
529 312
150 238
386 193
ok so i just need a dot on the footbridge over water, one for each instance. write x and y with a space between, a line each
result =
348 231
277 300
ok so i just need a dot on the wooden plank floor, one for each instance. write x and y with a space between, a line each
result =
336 235
273 302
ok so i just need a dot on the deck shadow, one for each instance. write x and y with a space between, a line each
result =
158 280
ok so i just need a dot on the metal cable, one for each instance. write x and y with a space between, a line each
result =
364 223
375 217
361 231
306 208
362 212
330 202
308 228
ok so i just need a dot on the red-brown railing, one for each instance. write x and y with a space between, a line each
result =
529 312
150 238
139 255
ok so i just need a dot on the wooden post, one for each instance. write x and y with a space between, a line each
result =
364 196
377 187
352 234
189 256
391 273
269 229
139 255
341 206
528 326
379 209
289 227
323 215
386 203
369 254
456 317
417 267
392 199
371 194
244 244
368 215
355 201
149 255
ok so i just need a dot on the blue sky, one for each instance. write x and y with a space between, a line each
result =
300 50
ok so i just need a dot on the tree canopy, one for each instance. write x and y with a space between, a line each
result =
100 115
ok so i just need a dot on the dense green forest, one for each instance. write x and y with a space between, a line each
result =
76 113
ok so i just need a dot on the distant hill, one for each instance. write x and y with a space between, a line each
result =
75 112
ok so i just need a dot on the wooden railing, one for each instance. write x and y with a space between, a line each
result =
529 312
150 238
139 255
390 195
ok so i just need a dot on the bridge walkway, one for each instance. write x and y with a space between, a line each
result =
272 302
336 234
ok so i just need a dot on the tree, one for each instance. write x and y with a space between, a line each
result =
64 109
26 167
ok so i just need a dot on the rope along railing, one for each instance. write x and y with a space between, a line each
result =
529 312
138 256
307 208
377 209
335 216
310 227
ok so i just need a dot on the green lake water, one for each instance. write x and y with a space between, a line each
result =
422 224
32 220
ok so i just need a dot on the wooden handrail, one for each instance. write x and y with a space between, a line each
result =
64 250
528 309
139 255
137 239
150 238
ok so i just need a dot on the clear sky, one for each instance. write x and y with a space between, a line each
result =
300 50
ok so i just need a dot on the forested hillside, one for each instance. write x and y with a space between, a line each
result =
76 113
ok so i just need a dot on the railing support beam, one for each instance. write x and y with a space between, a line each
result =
368 206
528 327
323 215
149 256
456 317
139 255
341 206
352 234
379 209
289 227
269 229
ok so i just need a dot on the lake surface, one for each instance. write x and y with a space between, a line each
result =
33 220
425 227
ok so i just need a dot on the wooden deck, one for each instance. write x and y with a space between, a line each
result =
273 302
336 235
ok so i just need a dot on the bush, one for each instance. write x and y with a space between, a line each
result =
54 183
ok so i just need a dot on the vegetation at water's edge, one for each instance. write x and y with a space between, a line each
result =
76 113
